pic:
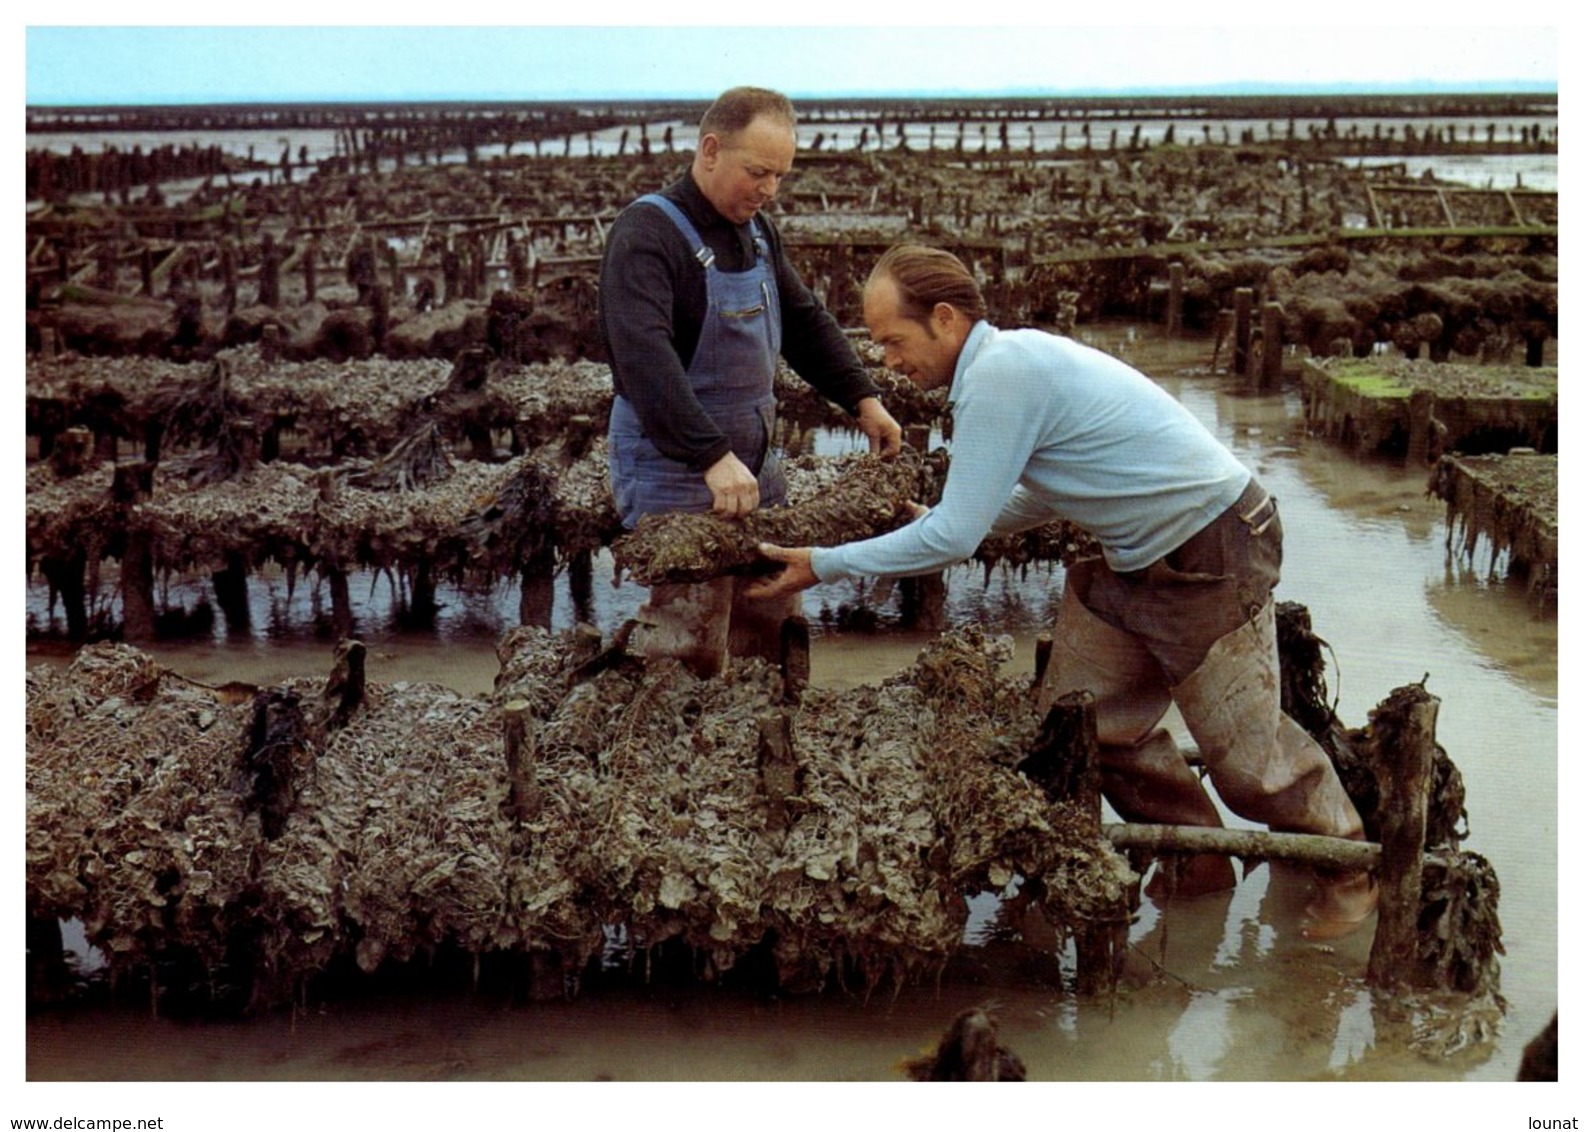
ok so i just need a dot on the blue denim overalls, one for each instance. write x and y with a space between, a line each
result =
731 375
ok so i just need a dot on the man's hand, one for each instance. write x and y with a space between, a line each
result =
879 426
794 577
734 490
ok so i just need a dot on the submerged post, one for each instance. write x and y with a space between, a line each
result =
794 657
133 483
1269 372
1405 726
1420 424
1064 763
1172 310
1242 342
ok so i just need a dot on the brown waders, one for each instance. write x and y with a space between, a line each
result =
705 623
1196 628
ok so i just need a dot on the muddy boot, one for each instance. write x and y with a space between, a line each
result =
688 622
755 628
1126 682
1151 782
1143 774
1265 766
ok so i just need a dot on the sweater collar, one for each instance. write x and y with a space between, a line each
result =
975 340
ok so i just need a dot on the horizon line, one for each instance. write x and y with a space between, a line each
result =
1228 90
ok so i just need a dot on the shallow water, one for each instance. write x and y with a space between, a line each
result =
1221 989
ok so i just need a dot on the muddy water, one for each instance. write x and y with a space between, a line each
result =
1219 989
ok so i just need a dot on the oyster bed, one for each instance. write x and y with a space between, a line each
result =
652 808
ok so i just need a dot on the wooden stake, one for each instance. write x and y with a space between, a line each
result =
794 657
1172 312
1273 332
1242 342
778 766
523 797
1406 724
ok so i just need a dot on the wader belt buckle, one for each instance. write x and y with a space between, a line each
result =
1251 515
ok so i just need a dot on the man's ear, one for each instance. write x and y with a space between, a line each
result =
943 315
710 145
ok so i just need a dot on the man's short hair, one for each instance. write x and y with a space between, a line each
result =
737 108
924 277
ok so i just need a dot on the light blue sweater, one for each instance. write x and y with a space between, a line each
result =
1046 428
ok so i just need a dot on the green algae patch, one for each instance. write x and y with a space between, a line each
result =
1421 409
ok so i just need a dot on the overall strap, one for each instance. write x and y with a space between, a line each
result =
674 213
703 254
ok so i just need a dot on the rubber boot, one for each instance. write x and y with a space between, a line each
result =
1142 772
688 622
1151 782
755 628
1264 765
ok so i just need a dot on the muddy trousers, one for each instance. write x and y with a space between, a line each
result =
703 624
1264 766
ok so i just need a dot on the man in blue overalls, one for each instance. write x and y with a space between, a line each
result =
697 302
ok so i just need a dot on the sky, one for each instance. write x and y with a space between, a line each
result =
90 64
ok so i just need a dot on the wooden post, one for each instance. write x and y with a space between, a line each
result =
1420 424
1043 648
523 798
580 585
341 603
794 657
536 592
422 597
344 690
923 599
1407 723
49 979
1064 759
1242 342
71 452
1172 310
777 765
270 342
310 255
1223 322
231 593
1063 762
1269 374
132 483
277 732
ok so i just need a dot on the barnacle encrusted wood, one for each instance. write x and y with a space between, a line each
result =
323 409
649 815
1510 500
831 501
